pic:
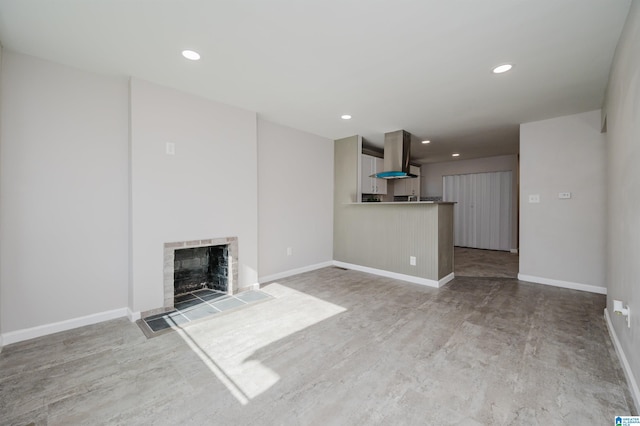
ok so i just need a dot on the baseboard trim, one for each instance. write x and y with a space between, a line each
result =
43 330
285 274
254 286
445 280
563 284
395 275
514 251
633 385
133 316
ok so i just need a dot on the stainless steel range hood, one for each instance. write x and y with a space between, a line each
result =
397 147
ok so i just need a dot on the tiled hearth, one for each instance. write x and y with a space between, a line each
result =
198 305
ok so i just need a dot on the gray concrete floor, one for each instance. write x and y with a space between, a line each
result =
336 347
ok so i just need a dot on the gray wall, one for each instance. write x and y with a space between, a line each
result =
623 186
345 187
563 239
63 191
208 189
1 297
295 169
432 173
69 182
384 236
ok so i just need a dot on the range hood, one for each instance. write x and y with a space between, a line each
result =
396 156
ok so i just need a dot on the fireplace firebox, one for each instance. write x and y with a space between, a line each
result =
192 265
200 268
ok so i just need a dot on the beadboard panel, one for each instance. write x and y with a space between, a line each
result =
384 236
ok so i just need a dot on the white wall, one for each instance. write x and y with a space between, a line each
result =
63 192
207 189
622 109
563 239
295 187
431 179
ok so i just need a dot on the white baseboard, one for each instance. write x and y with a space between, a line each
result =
133 316
254 286
633 385
43 330
395 275
444 280
563 284
514 251
296 271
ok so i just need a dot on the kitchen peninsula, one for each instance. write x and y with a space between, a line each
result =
411 241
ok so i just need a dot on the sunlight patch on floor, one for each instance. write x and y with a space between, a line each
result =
228 344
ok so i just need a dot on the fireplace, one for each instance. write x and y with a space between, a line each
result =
198 264
200 268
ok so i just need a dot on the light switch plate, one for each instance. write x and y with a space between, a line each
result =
412 260
170 148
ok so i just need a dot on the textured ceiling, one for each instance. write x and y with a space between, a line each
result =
423 66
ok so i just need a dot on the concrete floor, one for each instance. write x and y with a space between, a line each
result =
336 347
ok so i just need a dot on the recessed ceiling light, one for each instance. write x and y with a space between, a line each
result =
190 54
425 142
345 117
455 155
502 68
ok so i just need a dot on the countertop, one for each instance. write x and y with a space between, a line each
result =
396 203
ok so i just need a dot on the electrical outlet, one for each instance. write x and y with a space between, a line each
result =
534 198
564 195
289 251
412 260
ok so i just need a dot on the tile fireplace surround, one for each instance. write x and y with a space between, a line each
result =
169 258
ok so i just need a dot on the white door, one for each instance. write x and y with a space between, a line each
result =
367 168
482 214
370 165
380 184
